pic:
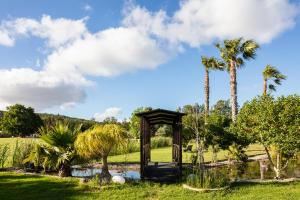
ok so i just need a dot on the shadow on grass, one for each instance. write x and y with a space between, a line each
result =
37 187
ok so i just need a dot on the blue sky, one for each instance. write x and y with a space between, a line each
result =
126 54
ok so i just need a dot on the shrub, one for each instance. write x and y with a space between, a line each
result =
20 151
207 179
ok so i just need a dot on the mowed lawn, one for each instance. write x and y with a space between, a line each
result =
14 186
165 155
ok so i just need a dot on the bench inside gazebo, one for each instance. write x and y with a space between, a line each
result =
162 172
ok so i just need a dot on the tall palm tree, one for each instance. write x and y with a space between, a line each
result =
234 53
210 63
271 73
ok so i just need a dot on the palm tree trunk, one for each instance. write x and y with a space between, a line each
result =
265 87
206 94
65 170
233 91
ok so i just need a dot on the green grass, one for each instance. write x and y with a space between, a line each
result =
165 155
157 155
19 186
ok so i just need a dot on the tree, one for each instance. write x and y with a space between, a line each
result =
218 123
222 107
21 121
209 64
57 150
98 142
271 73
274 123
135 121
234 53
193 125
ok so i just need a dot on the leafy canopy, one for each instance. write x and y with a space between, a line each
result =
21 121
237 50
98 141
272 122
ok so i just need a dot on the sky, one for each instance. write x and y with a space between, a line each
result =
98 59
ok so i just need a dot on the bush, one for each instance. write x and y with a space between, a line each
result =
158 142
208 179
133 145
20 151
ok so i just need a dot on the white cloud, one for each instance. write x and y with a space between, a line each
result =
87 7
143 41
199 22
40 89
107 53
57 32
5 39
109 112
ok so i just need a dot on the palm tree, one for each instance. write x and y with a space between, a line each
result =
234 53
271 73
98 142
209 64
56 149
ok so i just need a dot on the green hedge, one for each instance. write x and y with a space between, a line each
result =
133 145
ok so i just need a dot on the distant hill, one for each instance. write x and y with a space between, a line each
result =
51 119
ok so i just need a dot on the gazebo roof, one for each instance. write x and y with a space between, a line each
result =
161 116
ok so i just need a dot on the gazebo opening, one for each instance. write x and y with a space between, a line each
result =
154 170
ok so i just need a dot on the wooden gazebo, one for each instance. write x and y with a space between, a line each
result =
160 171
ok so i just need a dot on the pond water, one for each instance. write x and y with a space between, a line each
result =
90 172
250 170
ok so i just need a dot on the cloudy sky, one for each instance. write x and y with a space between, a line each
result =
100 59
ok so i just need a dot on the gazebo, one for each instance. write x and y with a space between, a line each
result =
160 171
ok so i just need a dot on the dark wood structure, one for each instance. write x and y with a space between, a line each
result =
149 170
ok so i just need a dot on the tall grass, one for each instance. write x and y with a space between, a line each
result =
4 153
20 151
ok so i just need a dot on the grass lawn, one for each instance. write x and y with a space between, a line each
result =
20 186
157 155
165 155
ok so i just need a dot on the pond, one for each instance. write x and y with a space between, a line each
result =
250 170
90 172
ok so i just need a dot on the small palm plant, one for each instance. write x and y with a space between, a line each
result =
98 142
56 149
271 73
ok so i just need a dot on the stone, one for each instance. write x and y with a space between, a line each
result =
118 179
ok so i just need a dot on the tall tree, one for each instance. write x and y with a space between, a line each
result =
234 53
271 73
210 63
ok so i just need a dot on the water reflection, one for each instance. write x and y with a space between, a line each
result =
90 172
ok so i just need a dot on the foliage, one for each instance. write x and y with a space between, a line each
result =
222 107
274 123
21 121
135 121
51 120
99 141
20 151
57 150
4 153
207 179
271 73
